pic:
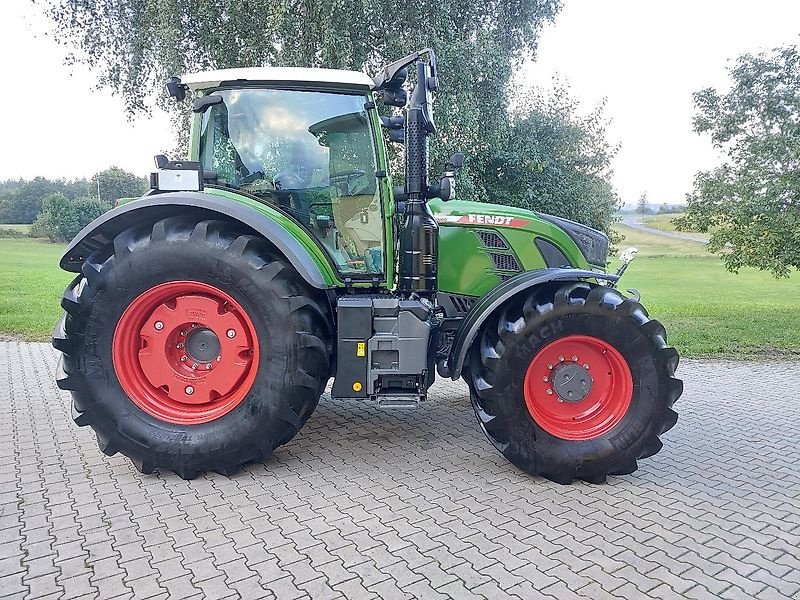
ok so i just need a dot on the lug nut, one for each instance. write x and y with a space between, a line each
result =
561 358
549 366
574 358
545 378
219 358
189 390
549 392
231 333
183 333
560 399
208 366
585 365
159 325
183 358
179 346
194 367
194 325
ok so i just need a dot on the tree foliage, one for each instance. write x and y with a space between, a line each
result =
115 183
21 201
641 204
554 160
135 45
751 203
62 218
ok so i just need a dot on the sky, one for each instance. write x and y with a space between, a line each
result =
644 57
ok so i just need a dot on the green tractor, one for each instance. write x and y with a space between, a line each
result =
207 316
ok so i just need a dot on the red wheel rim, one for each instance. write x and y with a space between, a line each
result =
185 352
578 387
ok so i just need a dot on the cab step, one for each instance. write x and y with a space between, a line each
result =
391 402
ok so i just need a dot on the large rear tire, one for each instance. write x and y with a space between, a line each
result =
188 346
574 381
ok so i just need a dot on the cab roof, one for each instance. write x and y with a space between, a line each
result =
285 75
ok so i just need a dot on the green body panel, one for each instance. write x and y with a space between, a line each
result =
465 266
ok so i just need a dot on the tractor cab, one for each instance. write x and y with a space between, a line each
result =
304 141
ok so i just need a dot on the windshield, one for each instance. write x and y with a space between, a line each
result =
309 153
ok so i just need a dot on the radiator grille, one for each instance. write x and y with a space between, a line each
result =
490 239
504 262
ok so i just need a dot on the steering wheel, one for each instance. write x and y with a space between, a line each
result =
346 178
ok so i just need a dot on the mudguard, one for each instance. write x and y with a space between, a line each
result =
102 230
494 299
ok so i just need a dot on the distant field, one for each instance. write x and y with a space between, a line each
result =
24 228
707 311
664 223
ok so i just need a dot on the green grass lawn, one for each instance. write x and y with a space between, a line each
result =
707 311
31 285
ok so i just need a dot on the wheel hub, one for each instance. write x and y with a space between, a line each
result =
185 352
571 381
202 345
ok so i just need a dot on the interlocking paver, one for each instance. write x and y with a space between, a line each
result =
365 503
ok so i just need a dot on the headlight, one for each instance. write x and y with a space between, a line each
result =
593 244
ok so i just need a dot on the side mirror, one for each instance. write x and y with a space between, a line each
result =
396 126
397 136
395 97
176 89
447 186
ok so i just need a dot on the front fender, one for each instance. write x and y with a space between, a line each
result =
490 302
289 239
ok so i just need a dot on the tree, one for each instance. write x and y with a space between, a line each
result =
641 204
554 160
135 45
21 201
751 203
116 183
62 218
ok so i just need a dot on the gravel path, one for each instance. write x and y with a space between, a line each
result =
633 223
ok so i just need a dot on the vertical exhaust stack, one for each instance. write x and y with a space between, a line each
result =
419 235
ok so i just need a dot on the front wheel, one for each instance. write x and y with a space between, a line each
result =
574 381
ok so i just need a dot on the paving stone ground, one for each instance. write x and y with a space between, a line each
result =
369 503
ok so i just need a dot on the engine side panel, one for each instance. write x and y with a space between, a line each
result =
482 245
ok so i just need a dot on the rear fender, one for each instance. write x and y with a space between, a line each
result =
492 301
289 239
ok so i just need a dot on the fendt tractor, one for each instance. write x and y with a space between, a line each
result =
207 316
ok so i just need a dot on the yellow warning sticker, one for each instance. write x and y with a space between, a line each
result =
361 349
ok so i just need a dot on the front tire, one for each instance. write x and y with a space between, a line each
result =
187 345
574 381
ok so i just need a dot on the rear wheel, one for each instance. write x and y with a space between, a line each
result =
189 346
574 381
